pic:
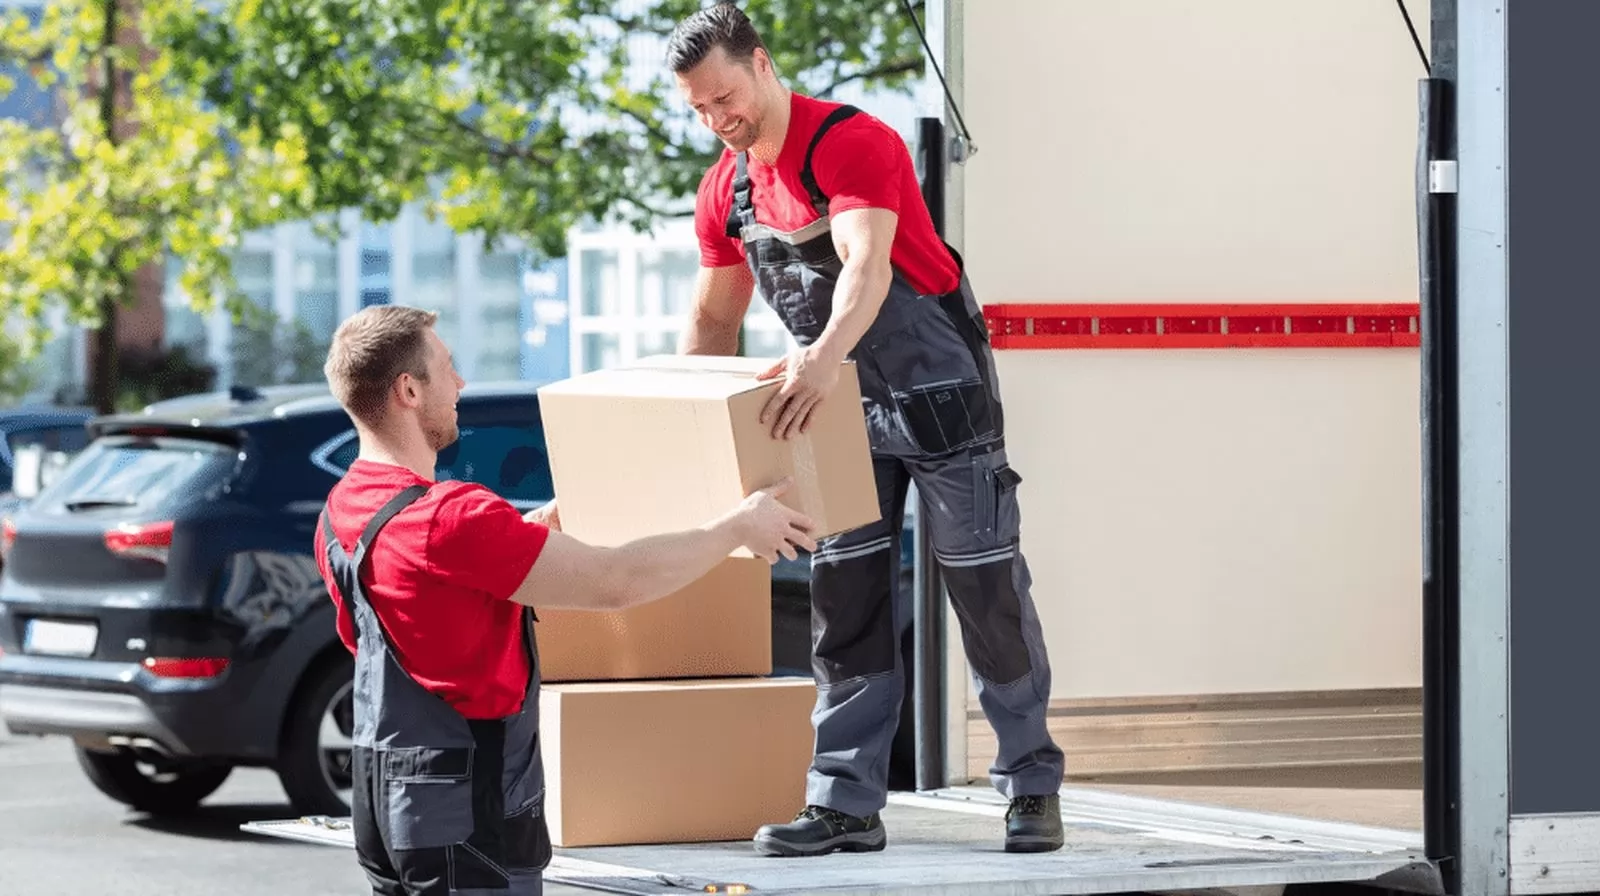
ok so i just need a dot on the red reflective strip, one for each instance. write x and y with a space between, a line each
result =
1179 326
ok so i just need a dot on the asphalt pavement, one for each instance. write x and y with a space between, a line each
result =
60 835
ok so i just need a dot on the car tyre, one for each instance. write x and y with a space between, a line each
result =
173 788
314 763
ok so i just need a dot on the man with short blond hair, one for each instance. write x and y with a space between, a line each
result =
371 350
448 777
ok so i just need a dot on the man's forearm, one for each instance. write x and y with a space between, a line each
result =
654 567
705 335
857 299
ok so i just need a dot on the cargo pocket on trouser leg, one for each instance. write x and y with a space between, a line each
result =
527 838
942 418
428 799
975 543
482 862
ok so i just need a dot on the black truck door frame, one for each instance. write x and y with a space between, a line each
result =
1514 777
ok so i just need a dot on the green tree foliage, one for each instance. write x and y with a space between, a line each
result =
130 167
506 116
509 117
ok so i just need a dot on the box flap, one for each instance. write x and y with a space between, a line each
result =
711 377
669 376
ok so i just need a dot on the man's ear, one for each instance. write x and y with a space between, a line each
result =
405 389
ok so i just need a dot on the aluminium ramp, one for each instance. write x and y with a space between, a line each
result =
948 842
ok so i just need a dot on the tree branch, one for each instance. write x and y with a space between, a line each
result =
496 149
887 69
643 206
652 128
7 57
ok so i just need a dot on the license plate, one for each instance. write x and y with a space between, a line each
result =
60 638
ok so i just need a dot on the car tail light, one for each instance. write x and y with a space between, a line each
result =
8 536
147 541
185 667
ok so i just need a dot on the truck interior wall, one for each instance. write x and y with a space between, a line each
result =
1223 521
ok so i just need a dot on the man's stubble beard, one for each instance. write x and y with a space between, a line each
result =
442 433
746 139
441 438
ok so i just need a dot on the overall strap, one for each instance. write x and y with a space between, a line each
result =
742 213
347 567
809 179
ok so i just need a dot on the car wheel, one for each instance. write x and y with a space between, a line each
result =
315 761
164 788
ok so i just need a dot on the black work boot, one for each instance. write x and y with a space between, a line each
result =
1033 824
818 831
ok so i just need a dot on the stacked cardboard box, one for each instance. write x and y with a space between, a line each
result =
660 723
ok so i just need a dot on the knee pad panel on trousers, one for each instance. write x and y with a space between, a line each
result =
987 606
852 610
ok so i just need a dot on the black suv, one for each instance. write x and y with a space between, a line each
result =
160 604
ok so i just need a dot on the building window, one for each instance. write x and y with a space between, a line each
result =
635 293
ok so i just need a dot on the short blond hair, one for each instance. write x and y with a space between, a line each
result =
370 349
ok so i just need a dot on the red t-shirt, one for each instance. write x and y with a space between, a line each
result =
440 576
861 163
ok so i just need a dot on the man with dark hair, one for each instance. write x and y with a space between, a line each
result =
819 205
448 775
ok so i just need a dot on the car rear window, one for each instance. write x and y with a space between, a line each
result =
135 473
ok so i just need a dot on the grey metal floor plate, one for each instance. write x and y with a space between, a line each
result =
949 842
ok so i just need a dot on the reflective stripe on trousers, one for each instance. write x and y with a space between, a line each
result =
442 805
933 416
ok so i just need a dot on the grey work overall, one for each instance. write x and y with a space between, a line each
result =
933 415
442 804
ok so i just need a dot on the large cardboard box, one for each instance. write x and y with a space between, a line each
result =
670 442
718 627
673 761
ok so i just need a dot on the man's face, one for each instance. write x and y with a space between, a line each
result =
728 96
439 395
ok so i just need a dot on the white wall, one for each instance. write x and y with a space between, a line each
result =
1216 520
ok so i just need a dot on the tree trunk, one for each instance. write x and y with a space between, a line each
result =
103 360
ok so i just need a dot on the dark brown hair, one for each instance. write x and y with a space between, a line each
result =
723 24
370 349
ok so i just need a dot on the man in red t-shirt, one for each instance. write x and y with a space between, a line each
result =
819 206
438 612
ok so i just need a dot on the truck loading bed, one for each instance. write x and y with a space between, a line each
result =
948 842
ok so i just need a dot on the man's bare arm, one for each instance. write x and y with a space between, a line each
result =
570 574
863 238
721 298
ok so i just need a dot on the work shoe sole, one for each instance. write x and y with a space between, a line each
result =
1027 843
861 841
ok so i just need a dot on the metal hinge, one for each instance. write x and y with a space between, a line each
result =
1442 176
961 149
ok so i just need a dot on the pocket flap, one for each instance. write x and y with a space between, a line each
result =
428 764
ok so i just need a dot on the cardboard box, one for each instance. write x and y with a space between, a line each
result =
671 442
718 627
674 762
